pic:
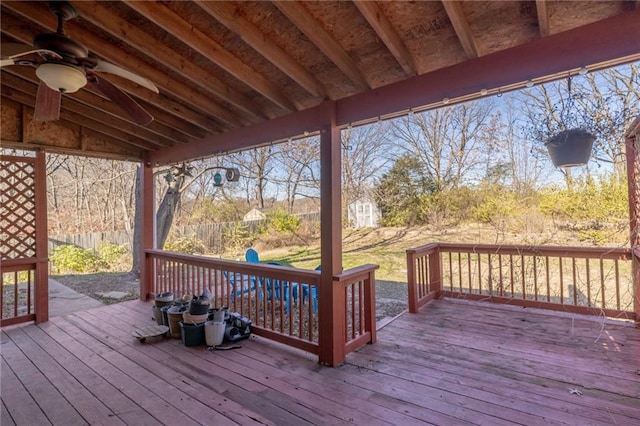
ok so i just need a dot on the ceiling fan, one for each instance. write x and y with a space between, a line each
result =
63 66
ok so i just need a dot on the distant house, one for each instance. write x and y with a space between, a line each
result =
363 213
254 214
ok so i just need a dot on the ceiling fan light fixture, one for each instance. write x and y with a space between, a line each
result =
61 77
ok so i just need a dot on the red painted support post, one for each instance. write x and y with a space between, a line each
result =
42 257
148 238
411 281
370 307
435 273
331 300
633 175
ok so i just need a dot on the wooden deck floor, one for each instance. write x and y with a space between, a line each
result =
453 363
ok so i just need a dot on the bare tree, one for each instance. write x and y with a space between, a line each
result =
255 167
445 140
366 152
298 163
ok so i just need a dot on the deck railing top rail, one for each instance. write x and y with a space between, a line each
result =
589 280
619 253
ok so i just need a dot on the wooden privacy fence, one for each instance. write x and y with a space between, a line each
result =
212 235
283 303
593 280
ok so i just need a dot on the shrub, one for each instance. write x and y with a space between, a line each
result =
280 221
185 244
70 258
236 236
113 256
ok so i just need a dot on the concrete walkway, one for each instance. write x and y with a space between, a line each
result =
63 300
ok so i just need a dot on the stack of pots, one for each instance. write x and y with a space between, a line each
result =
161 300
214 328
192 324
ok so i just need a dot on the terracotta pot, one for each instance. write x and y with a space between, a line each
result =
570 147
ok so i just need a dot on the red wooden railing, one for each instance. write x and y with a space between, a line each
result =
574 279
282 302
636 280
17 295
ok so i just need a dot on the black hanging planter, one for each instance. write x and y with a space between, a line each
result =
570 147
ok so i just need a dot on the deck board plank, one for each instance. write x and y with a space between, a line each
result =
454 362
88 406
294 400
53 404
20 405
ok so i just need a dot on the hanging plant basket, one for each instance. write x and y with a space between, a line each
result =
570 147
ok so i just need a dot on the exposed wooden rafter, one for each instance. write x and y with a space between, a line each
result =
235 74
162 16
297 14
228 16
24 92
462 28
543 17
32 11
112 23
390 37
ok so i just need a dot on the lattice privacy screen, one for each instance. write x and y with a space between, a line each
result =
17 208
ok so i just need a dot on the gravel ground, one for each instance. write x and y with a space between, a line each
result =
391 296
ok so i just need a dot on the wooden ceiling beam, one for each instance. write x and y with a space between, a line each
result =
302 19
461 27
71 151
228 15
543 17
176 109
152 141
72 117
184 31
101 104
389 36
602 43
103 18
280 128
35 12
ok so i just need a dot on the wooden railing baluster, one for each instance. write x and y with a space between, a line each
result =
524 279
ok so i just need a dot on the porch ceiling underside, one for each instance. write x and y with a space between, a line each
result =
237 74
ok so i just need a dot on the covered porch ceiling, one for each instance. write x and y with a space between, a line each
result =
237 74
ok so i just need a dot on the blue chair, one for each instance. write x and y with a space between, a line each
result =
242 284
275 285
252 256
314 293
239 283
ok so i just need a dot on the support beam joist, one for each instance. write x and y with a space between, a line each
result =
173 23
543 17
111 53
390 37
302 19
150 140
613 40
102 17
227 15
462 28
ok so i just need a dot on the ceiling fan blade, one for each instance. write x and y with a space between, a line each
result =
11 51
47 104
102 66
111 91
